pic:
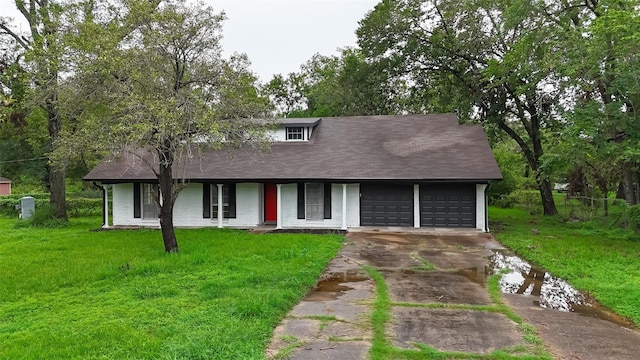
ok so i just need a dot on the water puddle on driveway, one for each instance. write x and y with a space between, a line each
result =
519 277
333 286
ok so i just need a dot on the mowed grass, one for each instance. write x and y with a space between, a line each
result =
594 257
74 294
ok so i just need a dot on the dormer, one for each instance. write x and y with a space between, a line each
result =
295 130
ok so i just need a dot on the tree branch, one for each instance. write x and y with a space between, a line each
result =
15 36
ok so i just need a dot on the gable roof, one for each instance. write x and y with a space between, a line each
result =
410 147
4 180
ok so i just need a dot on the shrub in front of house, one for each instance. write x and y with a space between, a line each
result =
76 207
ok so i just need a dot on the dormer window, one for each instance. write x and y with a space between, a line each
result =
295 133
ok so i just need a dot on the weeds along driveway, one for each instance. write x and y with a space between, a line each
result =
406 295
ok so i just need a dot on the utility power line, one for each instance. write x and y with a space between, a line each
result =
21 160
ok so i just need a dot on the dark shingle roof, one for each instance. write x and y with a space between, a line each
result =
412 147
4 180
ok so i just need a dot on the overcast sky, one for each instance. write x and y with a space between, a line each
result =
280 35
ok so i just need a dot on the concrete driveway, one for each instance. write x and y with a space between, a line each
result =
437 285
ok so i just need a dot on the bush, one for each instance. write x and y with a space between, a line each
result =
76 207
528 199
42 217
633 213
80 207
88 194
18 196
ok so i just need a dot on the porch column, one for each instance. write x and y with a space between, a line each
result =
220 206
344 207
279 206
105 201
481 208
416 205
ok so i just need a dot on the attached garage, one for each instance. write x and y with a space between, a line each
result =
448 205
386 205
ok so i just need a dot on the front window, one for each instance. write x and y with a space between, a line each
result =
225 201
149 204
295 133
314 201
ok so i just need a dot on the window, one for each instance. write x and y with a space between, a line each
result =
150 209
295 133
314 200
228 201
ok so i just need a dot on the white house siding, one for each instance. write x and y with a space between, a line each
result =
290 208
188 208
280 134
187 211
248 205
123 207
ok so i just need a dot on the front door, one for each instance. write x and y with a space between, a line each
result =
270 203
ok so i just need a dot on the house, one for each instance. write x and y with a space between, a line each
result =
412 171
5 186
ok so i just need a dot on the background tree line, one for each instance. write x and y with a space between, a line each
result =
554 83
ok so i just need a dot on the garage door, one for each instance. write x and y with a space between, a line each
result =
448 205
387 205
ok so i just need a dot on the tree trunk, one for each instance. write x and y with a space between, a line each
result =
165 180
533 154
627 183
56 174
546 194
168 232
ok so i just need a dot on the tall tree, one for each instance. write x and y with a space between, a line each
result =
163 94
341 85
596 53
43 50
482 51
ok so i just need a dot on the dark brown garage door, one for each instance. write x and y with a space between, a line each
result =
448 205
386 205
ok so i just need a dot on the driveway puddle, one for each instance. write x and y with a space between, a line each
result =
519 277
334 286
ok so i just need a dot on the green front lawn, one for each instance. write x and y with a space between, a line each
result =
70 293
595 257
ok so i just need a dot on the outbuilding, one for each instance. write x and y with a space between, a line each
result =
5 186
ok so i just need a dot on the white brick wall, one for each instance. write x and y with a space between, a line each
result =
187 211
249 203
123 207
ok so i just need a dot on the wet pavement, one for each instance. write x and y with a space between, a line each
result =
426 270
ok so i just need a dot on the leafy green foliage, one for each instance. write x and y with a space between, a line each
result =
341 85
478 58
123 297
181 100
634 217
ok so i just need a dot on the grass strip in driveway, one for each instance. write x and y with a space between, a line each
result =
382 349
70 293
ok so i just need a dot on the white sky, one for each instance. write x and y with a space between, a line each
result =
279 35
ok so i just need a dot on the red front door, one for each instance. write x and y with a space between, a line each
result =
270 203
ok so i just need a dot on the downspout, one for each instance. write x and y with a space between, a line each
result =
103 205
486 208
